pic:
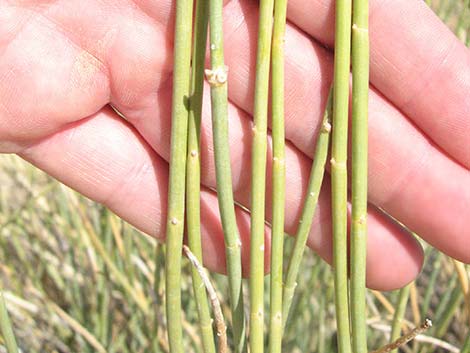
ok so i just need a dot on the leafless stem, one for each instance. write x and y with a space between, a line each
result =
218 316
406 338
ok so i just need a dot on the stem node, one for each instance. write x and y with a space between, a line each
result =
217 77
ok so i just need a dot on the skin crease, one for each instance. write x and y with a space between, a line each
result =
62 62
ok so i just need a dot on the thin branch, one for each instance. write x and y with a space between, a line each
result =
405 339
220 326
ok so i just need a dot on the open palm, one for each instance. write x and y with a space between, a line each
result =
63 62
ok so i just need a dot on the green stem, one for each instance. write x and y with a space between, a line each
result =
193 171
278 177
311 200
442 6
321 323
217 78
6 328
430 288
463 15
444 301
158 257
444 321
258 181
400 310
466 344
176 188
360 102
339 177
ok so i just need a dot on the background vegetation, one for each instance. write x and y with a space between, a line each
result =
75 278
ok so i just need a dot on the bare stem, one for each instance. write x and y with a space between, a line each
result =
193 170
176 188
400 310
310 204
221 328
464 284
6 328
360 102
258 181
278 177
217 78
466 344
405 339
339 179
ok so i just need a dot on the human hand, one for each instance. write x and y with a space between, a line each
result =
62 62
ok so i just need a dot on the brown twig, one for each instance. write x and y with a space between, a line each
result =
405 339
220 326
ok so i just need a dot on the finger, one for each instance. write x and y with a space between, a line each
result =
416 62
134 186
407 254
66 61
314 62
105 159
46 79
409 176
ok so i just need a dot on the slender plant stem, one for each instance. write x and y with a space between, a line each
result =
321 323
311 200
135 293
339 177
414 297
6 328
440 10
217 78
444 300
431 284
464 284
193 171
455 302
360 102
78 328
158 302
463 15
258 181
278 177
466 344
218 316
399 313
176 189
401 341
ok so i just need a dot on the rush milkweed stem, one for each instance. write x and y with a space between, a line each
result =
176 188
258 182
217 78
193 171
278 176
339 179
360 102
311 200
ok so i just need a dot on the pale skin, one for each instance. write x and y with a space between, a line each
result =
63 62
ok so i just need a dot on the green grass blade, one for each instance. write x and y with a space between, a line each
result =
6 327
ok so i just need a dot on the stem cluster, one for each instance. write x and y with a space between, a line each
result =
185 147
